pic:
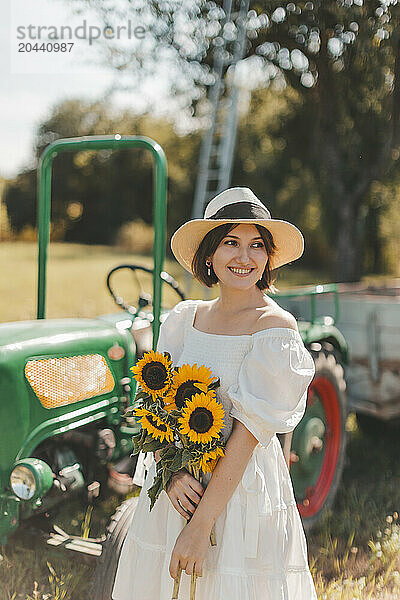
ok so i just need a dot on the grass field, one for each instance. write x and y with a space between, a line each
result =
76 280
355 550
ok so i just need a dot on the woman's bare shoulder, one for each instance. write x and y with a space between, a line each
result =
273 315
267 316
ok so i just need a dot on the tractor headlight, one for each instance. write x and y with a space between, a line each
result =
31 478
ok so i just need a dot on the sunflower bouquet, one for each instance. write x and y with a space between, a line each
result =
180 416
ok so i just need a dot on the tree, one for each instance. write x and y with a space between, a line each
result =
343 59
94 193
352 52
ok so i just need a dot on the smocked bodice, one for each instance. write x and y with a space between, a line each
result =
221 353
263 375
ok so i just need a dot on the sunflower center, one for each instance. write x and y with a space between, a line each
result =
154 375
159 426
201 420
185 392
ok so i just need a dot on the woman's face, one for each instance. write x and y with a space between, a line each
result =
242 248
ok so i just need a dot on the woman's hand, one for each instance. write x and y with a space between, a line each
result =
185 492
190 550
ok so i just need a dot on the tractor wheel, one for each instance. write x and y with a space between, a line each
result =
106 568
319 441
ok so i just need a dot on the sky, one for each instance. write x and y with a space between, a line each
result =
33 82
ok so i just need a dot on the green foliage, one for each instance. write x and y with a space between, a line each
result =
150 444
320 147
95 193
138 441
343 60
315 152
155 490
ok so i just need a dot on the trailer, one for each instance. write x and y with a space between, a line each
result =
353 333
368 317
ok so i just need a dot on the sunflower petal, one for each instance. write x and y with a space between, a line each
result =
201 386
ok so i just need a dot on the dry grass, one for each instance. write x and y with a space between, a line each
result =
354 552
76 280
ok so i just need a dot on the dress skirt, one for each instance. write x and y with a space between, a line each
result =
260 552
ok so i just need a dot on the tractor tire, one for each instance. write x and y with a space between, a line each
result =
106 567
323 429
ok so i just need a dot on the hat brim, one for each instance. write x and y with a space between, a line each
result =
288 239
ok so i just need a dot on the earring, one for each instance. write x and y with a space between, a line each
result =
208 263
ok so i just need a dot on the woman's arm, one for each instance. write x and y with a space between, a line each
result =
192 543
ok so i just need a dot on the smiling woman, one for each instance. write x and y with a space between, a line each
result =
255 349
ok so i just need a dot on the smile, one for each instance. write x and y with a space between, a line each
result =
240 271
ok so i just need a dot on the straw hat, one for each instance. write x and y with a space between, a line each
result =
237 205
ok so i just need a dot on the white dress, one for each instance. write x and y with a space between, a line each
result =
261 551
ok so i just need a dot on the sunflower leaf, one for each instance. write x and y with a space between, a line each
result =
141 395
168 452
148 404
166 476
176 462
138 440
155 490
186 457
151 445
175 413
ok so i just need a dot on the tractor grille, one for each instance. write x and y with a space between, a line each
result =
69 379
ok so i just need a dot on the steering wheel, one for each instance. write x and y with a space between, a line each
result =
145 299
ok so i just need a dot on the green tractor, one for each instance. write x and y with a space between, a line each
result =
66 383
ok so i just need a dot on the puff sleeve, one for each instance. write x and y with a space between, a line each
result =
271 390
172 329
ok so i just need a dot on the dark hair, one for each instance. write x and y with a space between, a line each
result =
210 243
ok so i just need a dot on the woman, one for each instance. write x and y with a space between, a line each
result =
255 349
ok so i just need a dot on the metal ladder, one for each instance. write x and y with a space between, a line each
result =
218 144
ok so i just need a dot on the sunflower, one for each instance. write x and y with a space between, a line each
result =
154 425
202 418
187 381
153 372
209 459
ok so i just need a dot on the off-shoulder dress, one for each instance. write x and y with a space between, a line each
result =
261 551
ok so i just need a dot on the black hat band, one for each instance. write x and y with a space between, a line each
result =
241 210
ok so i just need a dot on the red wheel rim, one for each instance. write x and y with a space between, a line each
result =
327 394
